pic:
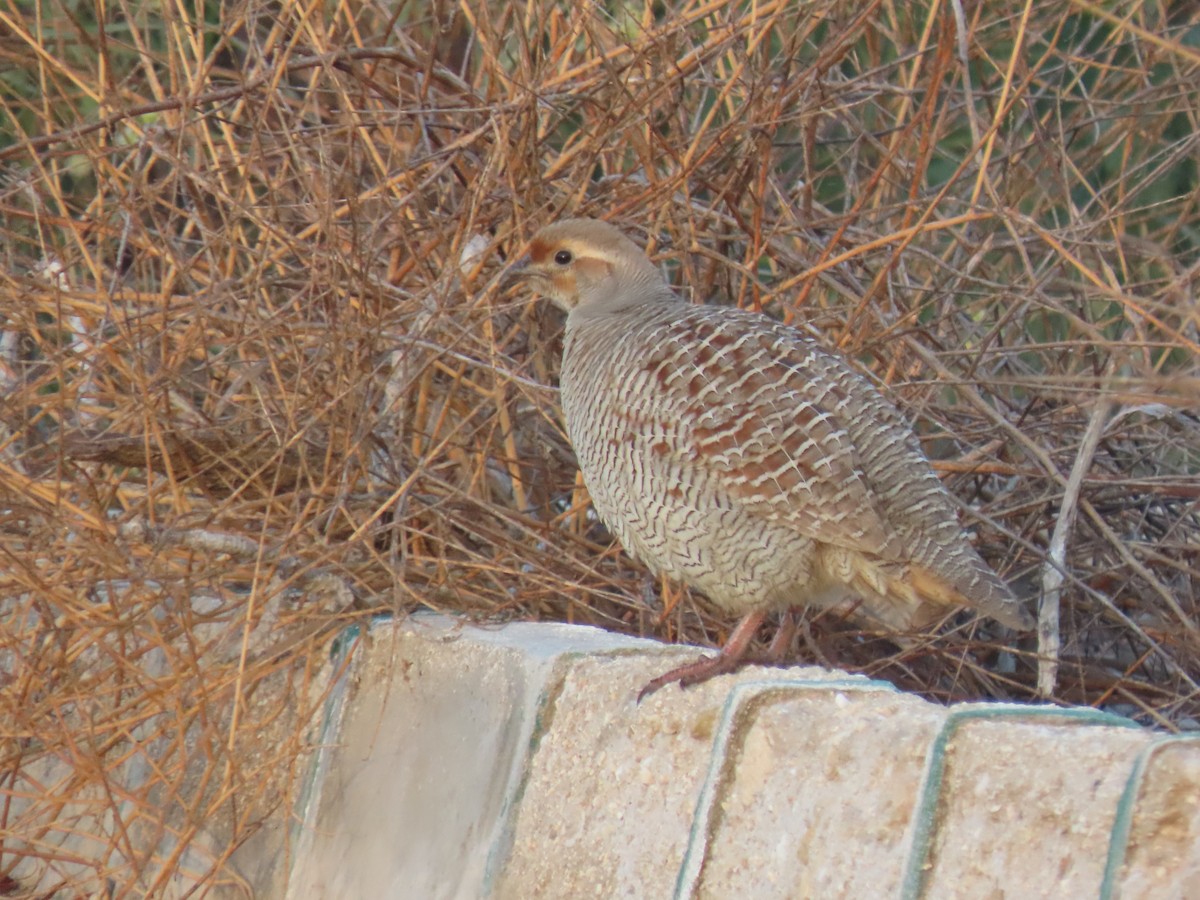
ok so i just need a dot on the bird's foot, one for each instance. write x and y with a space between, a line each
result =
704 668
731 658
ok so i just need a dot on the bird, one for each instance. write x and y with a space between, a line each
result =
736 454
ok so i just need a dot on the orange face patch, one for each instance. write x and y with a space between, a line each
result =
540 251
593 268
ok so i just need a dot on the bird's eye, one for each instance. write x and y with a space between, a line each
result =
563 257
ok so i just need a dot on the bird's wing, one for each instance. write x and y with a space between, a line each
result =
765 421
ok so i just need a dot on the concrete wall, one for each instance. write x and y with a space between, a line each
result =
514 762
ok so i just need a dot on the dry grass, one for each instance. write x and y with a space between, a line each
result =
258 379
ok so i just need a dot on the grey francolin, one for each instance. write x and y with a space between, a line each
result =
731 452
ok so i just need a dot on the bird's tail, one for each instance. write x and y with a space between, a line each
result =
909 596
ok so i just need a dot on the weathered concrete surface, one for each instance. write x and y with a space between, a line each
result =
516 763
425 774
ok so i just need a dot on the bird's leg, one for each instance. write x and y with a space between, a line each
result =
731 657
781 643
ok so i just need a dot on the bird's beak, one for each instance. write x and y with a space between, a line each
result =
518 270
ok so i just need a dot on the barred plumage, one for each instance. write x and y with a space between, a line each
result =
733 453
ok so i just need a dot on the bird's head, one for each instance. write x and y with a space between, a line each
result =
589 265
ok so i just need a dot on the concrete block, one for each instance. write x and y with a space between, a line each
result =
1027 806
820 796
416 793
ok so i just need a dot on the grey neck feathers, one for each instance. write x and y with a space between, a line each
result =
641 287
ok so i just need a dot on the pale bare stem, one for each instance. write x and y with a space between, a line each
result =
398 385
10 340
961 39
1049 636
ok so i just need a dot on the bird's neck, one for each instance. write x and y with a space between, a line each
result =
623 303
